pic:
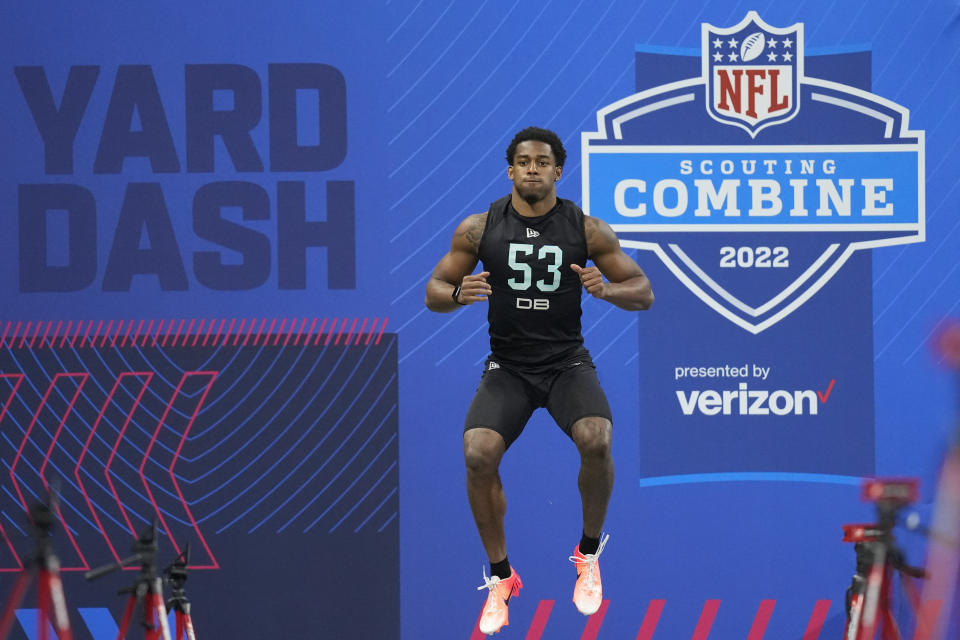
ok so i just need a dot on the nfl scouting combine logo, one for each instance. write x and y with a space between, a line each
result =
754 182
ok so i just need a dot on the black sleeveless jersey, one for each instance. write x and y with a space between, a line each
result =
534 311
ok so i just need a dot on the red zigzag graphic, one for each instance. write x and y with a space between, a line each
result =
187 404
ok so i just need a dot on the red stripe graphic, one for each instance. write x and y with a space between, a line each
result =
260 330
243 321
16 332
116 334
266 339
226 335
35 334
106 333
23 338
761 620
350 333
45 334
290 333
196 337
707 616
283 324
127 334
360 333
320 331
156 336
186 336
382 329
650 619
333 327
303 323
76 334
540 620
817 618
91 341
146 334
66 333
594 622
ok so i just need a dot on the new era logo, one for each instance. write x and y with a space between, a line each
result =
532 234
493 365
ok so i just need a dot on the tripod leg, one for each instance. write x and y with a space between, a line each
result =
855 617
877 580
188 625
43 605
56 605
890 629
127 616
16 597
156 608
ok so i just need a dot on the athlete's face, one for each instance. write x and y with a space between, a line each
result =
534 171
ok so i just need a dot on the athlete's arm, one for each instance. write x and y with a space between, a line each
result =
628 286
456 267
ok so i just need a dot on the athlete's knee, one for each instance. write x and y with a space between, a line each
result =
482 450
593 436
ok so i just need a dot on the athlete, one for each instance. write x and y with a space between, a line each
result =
534 248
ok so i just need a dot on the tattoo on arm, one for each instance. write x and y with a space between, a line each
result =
474 231
600 239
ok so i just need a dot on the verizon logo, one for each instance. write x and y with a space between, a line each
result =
752 402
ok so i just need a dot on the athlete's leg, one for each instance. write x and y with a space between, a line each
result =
593 438
580 407
497 415
482 450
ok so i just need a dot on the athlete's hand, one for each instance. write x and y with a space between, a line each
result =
474 288
591 279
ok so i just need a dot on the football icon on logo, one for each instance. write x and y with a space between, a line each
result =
752 46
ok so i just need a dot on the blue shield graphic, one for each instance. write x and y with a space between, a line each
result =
755 219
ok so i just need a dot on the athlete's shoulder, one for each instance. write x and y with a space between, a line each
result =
600 236
470 231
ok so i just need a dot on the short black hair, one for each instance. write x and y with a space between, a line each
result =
540 135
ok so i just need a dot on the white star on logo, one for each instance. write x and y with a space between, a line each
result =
733 57
788 56
732 42
772 43
787 43
717 43
718 57
772 57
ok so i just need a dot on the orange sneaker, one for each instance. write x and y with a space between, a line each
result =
588 592
494 615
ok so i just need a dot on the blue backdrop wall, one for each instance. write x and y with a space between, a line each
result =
220 220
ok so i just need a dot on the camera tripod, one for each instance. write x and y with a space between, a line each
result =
147 591
177 575
45 567
870 596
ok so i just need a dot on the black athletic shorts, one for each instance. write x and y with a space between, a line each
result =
506 398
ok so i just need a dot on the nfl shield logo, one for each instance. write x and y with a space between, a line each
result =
753 73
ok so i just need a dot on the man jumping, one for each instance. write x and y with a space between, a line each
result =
534 248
